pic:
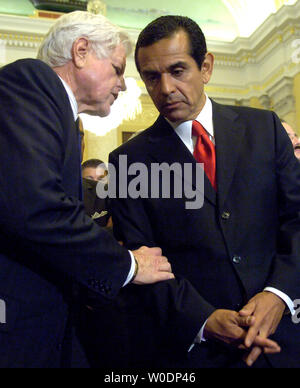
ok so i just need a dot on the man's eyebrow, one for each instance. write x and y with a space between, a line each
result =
172 67
177 64
150 72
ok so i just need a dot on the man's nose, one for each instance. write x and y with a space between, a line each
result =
167 86
123 86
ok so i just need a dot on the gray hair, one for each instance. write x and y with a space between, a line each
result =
104 37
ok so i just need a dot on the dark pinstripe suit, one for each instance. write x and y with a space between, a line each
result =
246 236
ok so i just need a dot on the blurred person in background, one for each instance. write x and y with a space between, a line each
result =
294 138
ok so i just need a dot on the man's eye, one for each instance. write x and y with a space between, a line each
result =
117 70
177 72
151 77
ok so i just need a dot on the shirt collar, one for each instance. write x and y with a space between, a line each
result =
72 98
205 118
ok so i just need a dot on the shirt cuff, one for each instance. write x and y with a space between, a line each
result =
288 301
132 270
200 337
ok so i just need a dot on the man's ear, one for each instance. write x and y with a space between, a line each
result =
80 50
207 67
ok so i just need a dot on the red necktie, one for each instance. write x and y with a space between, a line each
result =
205 152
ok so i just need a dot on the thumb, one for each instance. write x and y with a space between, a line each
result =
247 310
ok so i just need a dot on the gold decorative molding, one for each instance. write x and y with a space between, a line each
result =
21 40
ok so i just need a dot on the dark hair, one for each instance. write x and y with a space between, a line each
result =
94 163
165 27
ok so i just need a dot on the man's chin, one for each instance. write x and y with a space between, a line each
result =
174 117
98 113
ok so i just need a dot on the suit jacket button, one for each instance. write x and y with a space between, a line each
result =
237 259
93 283
225 216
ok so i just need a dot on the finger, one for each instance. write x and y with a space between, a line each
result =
246 321
165 267
146 251
253 356
251 335
271 348
154 251
258 331
272 351
247 310
162 276
267 344
162 259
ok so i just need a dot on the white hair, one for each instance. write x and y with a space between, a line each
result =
56 49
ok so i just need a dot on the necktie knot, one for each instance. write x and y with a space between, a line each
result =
197 129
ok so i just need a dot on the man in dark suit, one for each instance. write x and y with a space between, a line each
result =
51 253
236 258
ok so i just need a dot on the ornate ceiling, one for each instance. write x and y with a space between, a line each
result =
222 20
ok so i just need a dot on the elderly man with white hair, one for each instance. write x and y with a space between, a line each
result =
51 253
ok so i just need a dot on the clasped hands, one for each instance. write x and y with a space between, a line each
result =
249 328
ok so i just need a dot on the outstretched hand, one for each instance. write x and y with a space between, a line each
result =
152 266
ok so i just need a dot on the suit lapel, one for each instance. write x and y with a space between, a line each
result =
167 147
229 133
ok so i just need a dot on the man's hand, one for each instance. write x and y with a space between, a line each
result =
152 266
267 310
232 328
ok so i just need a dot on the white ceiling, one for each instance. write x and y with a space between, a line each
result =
222 20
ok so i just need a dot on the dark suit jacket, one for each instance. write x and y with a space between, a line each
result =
244 238
50 250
